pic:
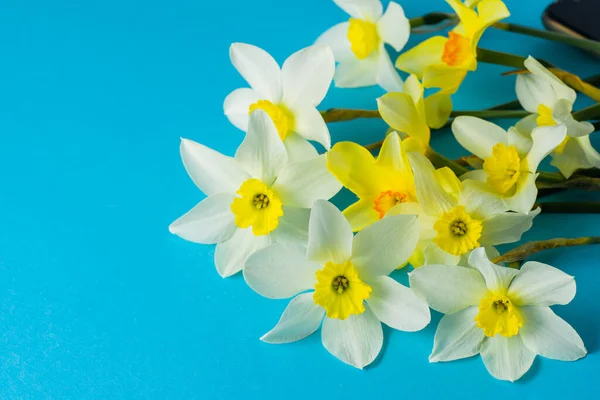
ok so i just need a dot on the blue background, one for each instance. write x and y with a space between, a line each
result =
98 300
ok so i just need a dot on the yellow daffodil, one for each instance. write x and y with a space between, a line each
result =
510 159
346 276
443 62
410 113
379 183
254 199
551 102
498 312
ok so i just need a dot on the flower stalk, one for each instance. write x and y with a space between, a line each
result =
569 207
523 252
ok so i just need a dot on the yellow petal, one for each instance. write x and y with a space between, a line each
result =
490 12
361 214
468 17
392 156
448 181
354 167
414 88
438 107
399 111
415 60
442 76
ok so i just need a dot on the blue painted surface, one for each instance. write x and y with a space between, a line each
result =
99 301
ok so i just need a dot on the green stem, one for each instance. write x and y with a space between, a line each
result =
585 44
569 207
347 114
440 161
580 182
431 18
585 114
491 113
506 59
511 105
524 251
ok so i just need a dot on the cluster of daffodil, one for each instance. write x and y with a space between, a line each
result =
268 212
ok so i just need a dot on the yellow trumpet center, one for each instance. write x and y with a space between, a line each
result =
457 50
282 117
387 200
364 38
457 231
545 117
503 167
258 206
498 315
340 291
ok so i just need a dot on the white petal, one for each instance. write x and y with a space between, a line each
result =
457 336
262 152
258 68
545 140
382 247
542 285
329 234
387 75
298 148
432 196
548 335
397 306
211 221
591 154
524 197
394 27
478 201
311 126
237 106
559 87
357 340
478 135
300 184
293 226
526 125
506 358
521 140
446 288
230 256
280 271
336 37
433 254
575 156
496 277
301 318
562 114
306 75
363 9
357 73
506 227
532 91
211 171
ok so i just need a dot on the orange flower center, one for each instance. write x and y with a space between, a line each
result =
457 50
386 201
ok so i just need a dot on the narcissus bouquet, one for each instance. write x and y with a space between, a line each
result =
268 212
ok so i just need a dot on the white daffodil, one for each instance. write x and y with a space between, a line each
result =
456 222
551 102
352 292
498 312
510 159
253 199
289 94
359 44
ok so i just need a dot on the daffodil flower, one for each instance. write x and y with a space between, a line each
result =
359 44
510 159
551 101
380 183
253 199
289 94
442 62
348 275
454 225
412 114
498 312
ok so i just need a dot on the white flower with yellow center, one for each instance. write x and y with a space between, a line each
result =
510 159
498 312
454 223
551 101
289 94
254 199
351 292
359 44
